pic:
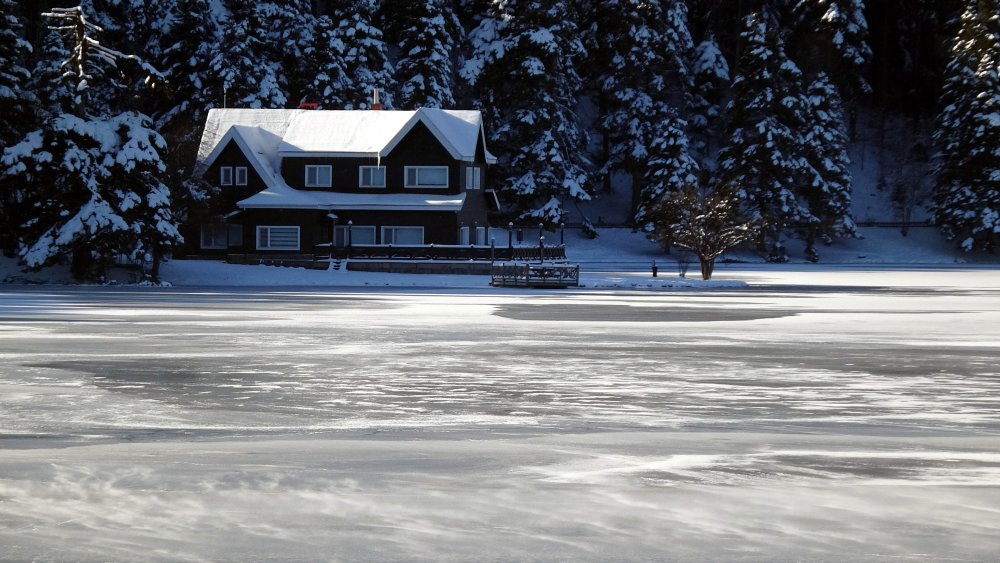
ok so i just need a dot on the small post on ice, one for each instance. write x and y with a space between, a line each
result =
655 269
510 238
562 234
541 229
493 250
349 241
541 249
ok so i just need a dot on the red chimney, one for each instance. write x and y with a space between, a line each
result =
308 105
375 103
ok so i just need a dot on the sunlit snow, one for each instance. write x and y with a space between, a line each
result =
849 416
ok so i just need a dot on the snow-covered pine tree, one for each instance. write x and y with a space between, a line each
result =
967 134
289 27
710 78
90 182
764 155
845 53
523 73
429 37
187 46
250 76
366 56
16 98
188 41
16 106
669 167
325 63
828 194
640 51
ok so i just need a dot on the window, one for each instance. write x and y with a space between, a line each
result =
226 176
241 175
371 177
426 177
214 236
277 238
473 178
403 236
319 176
218 236
360 235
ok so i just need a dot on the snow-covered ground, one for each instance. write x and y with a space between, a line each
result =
822 413
619 258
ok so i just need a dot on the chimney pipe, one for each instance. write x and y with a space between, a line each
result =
375 102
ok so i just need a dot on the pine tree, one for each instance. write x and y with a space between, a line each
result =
288 31
844 28
186 50
324 61
669 168
188 42
828 193
764 157
366 56
16 106
640 52
90 182
967 136
428 42
710 78
250 77
524 76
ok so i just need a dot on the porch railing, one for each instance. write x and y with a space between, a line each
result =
441 252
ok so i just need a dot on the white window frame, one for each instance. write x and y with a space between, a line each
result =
416 171
354 231
241 175
370 183
269 246
394 227
225 175
213 230
317 182
473 178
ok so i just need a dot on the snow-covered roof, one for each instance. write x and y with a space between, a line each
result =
340 132
220 121
284 197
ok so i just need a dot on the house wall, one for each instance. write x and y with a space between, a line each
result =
314 228
222 203
232 156
440 227
419 148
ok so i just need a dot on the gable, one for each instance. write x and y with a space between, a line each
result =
420 146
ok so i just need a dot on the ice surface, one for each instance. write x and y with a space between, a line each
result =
851 418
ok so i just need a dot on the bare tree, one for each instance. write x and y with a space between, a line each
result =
707 223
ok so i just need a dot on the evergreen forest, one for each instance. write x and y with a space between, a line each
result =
103 102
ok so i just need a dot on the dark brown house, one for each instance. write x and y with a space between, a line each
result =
290 181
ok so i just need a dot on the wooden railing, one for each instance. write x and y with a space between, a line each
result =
442 252
522 274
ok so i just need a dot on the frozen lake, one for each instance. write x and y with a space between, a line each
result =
853 418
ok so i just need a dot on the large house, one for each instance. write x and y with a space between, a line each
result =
294 180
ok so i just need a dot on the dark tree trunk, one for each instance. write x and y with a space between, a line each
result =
707 265
154 269
82 264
